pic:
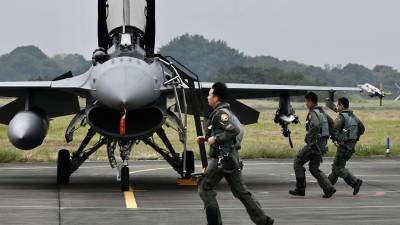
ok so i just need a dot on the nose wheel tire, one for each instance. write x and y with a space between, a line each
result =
125 183
63 167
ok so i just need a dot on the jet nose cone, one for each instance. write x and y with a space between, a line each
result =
126 83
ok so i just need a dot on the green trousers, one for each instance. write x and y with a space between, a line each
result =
343 154
213 176
314 158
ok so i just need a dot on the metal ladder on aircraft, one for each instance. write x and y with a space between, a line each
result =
185 77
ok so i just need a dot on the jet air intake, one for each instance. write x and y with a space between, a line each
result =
28 129
137 124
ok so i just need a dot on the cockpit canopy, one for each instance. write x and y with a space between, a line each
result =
131 13
133 17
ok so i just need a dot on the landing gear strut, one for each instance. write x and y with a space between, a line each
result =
173 158
123 169
66 165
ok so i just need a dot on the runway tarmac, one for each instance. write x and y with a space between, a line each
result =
29 195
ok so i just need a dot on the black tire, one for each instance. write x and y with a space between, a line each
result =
189 163
63 167
125 183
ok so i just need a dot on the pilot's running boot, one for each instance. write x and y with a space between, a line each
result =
213 217
270 221
329 193
354 183
357 187
300 188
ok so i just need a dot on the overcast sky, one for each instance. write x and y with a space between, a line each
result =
314 32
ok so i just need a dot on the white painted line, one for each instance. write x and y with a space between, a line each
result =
295 207
199 208
291 163
148 170
198 166
30 168
48 167
130 200
379 175
362 175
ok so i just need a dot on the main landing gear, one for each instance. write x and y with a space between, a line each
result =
67 164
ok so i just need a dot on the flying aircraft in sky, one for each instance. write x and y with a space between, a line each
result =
128 91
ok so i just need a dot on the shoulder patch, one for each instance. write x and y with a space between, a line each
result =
224 117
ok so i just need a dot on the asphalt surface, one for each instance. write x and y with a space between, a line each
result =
29 195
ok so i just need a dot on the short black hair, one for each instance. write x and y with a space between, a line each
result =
312 96
220 90
344 102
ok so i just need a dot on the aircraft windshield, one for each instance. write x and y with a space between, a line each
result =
132 13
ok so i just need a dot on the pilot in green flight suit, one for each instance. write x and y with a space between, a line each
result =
318 131
347 131
223 134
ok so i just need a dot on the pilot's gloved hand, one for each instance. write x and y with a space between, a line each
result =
200 139
211 140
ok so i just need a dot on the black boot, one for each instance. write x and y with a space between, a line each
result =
270 221
212 216
300 187
329 193
354 183
357 187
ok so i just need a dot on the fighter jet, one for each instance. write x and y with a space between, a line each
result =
398 87
128 92
374 91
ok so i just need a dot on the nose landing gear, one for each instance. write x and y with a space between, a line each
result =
125 181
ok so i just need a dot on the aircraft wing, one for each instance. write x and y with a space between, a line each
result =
251 91
77 85
248 115
57 98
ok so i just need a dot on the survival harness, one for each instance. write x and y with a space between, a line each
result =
227 157
350 131
323 124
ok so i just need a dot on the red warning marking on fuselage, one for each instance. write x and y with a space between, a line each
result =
122 124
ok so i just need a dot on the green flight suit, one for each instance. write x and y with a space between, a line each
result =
221 126
312 152
345 149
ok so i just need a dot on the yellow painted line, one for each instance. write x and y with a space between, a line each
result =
130 199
